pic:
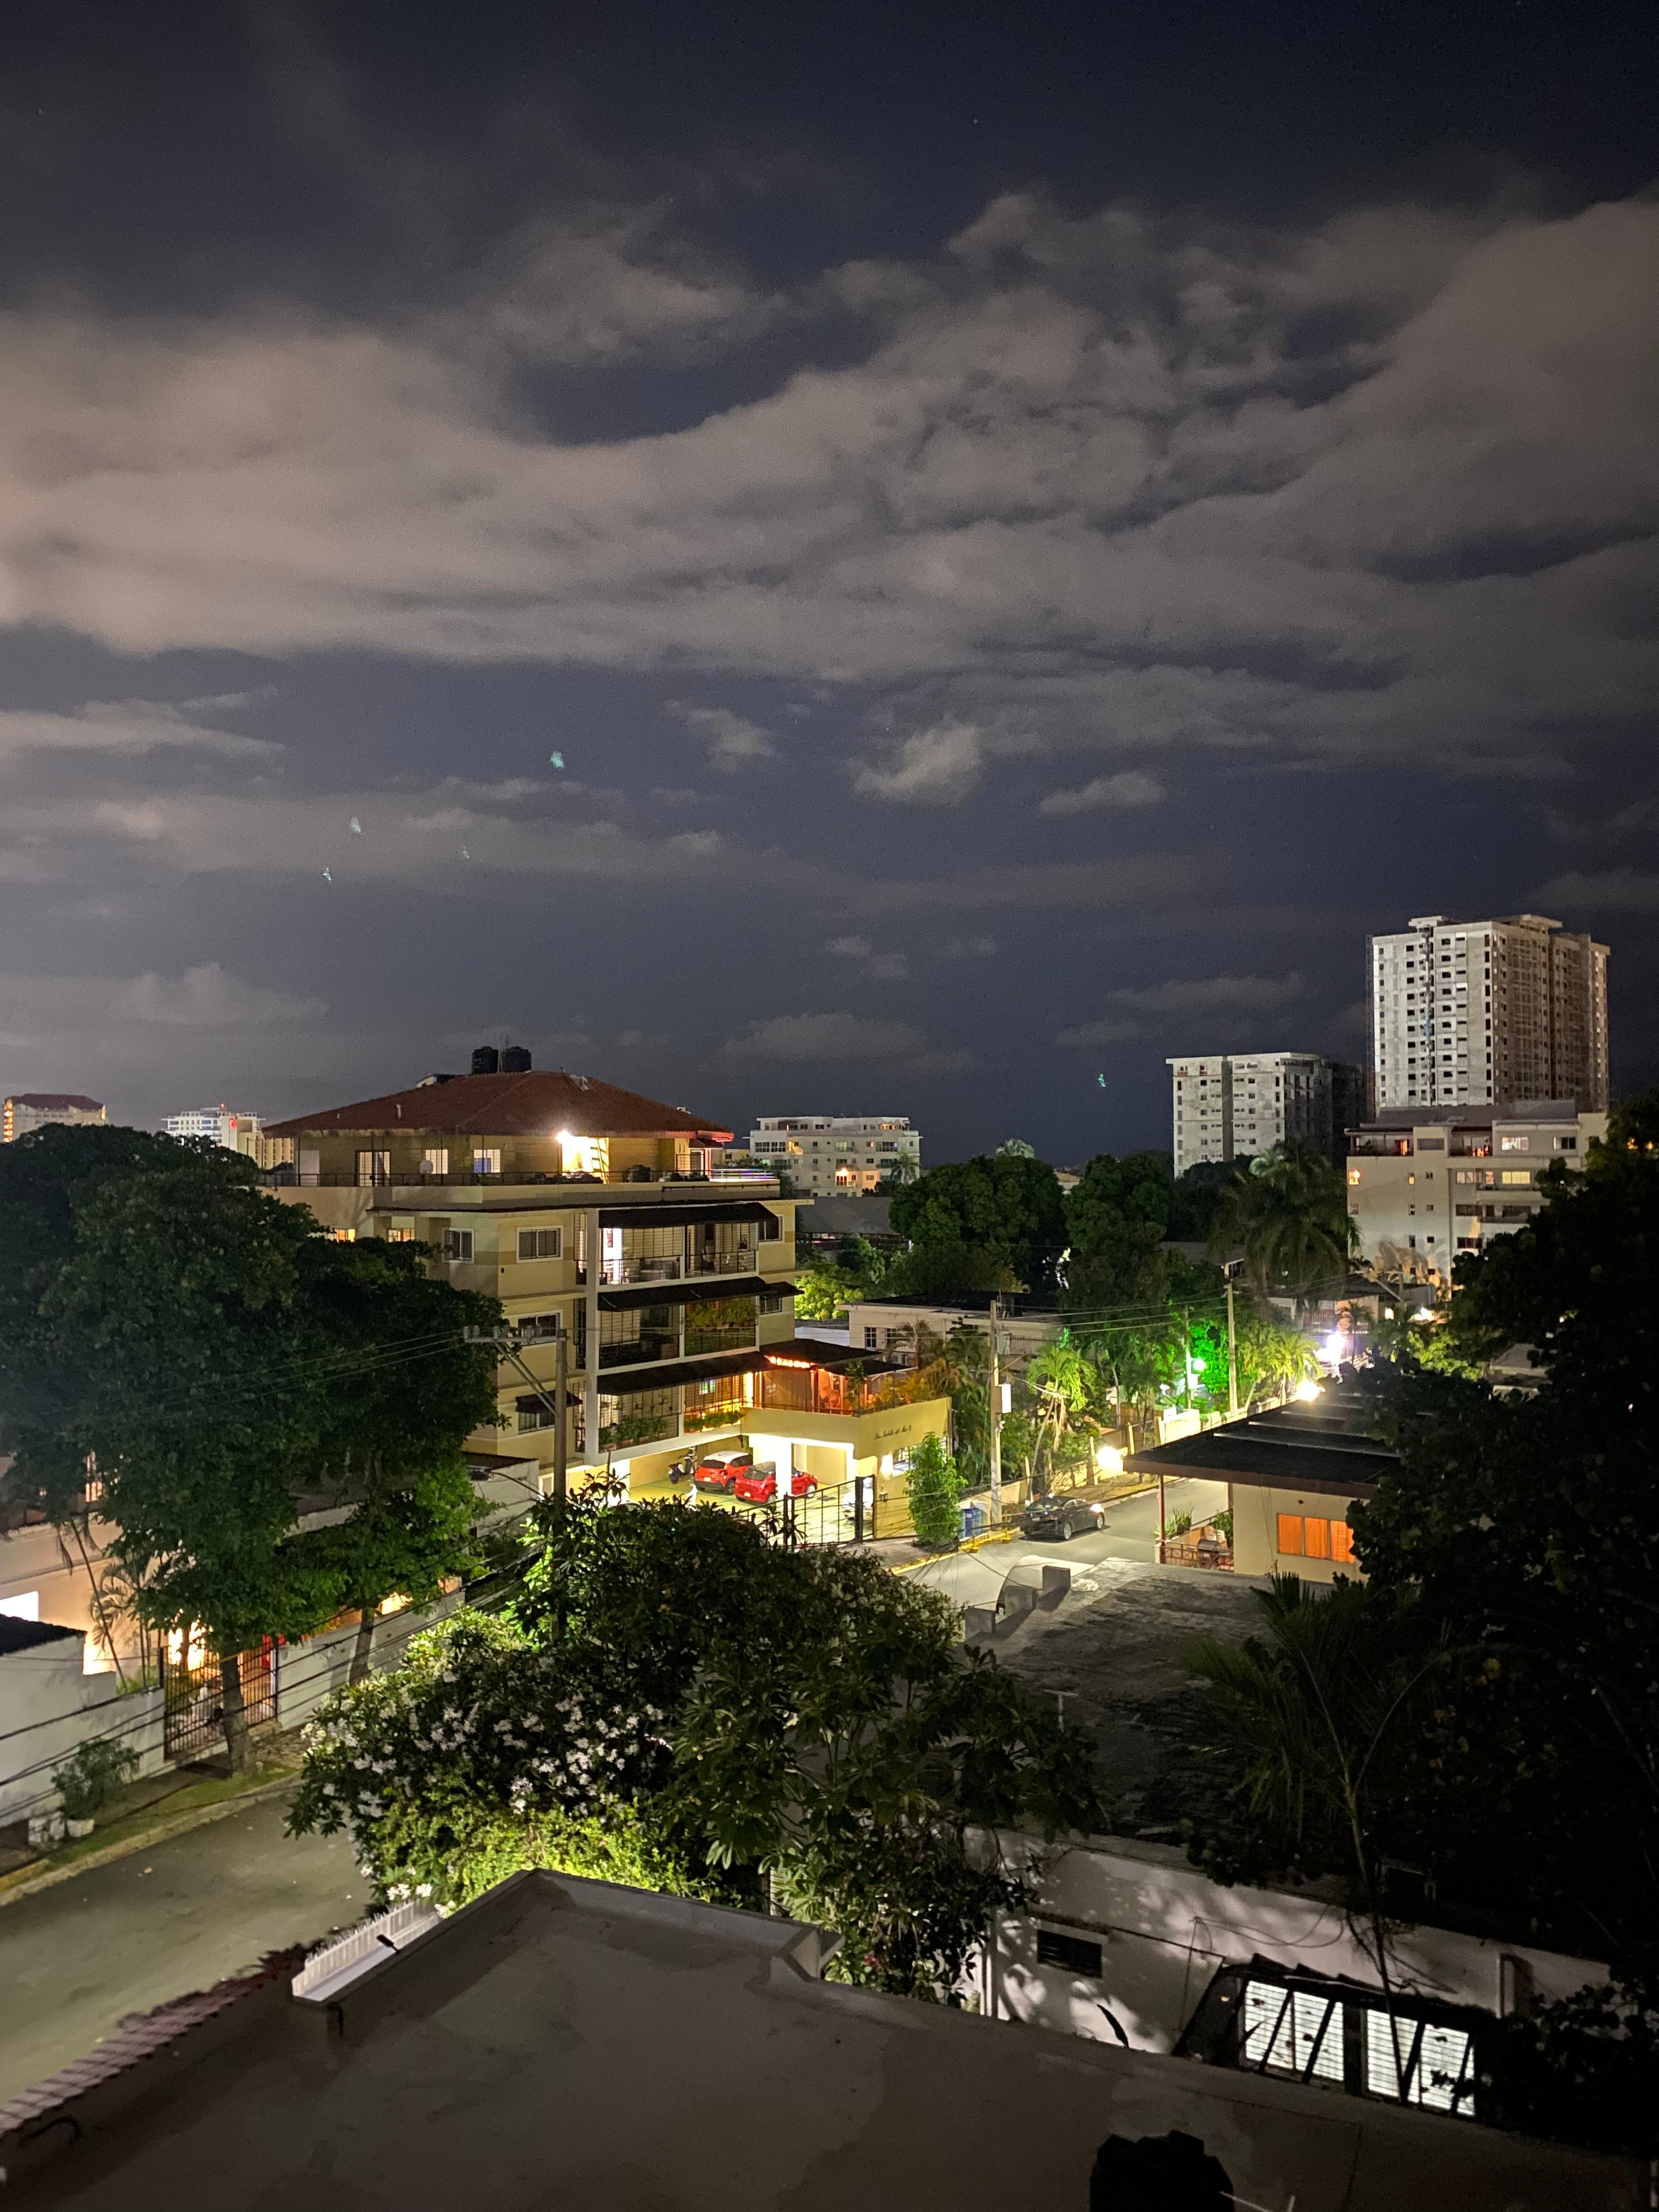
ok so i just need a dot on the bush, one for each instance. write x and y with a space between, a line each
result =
90 1776
935 1485
1178 1524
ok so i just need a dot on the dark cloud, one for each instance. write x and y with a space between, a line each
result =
1104 570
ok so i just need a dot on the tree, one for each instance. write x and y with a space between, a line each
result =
679 1703
390 1433
934 1486
1312 1714
218 1361
983 1224
1116 1219
1288 1214
1062 1383
825 1289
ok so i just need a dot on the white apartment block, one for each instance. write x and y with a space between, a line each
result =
237 1133
824 1153
26 1110
1423 1188
1467 1013
1230 1106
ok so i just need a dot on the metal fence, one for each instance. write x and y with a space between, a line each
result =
193 1705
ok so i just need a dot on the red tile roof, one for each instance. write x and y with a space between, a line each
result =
539 1103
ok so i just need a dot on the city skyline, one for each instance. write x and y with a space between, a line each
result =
1070 534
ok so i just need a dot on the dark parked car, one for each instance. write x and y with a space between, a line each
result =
1057 1518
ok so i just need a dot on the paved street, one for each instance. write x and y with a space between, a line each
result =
1131 1529
75 1958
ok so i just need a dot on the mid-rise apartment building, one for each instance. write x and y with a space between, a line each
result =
1469 1014
238 1133
1228 1106
40 1109
1424 1188
823 1153
588 1212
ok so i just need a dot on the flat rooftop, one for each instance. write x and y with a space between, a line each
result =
563 2042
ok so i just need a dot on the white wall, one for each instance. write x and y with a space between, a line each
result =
1165 1929
312 1670
48 1706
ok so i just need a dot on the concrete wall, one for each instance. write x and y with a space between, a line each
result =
310 1671
49 1705
43 1568
1165 1929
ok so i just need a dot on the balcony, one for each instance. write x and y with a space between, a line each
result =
640 1351
794 1387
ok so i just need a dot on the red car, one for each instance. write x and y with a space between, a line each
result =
722 1470
758 1485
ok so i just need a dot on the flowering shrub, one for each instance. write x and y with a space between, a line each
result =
481 1755
681 1705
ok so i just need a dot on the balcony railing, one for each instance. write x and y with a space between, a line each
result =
821 1390
639 1351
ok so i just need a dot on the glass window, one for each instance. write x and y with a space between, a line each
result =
1341 1541
487 1160
540 1244
1316 1538
373 1167
435 1161
1290 1534
458 1243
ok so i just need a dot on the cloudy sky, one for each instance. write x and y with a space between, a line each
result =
912 560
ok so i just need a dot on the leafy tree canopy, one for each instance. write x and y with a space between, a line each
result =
219 1362
681 1703
1115 1218
989 1224
1288 1212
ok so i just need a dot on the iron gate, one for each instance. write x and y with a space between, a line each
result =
192 1700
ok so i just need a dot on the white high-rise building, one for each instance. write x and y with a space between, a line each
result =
1466 1013
1235 1106
238 1133
823 1154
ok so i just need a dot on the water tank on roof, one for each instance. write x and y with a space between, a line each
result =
486 1060
515 1060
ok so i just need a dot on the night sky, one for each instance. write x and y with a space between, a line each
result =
1030 532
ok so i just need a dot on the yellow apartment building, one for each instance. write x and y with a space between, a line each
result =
589 1209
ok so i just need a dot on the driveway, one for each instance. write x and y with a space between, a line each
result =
76 1959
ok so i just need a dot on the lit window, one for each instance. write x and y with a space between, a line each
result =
487 1160
1290 1535
435 1161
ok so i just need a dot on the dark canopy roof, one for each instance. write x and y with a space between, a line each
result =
686 1294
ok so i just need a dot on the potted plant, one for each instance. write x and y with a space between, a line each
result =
89 1778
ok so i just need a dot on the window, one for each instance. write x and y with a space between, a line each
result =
870 1340
771 1302
540 1244
373 1167
458 1243
1515 1144
487 1160
771 1230
1315 1538
536 1329
1311 1536
532 1414
435 1161
1292 2031
1073 1953
1515 1175
1290 1535
400 1233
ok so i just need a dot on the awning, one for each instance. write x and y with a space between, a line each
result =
626 1382
683 1217
686 1294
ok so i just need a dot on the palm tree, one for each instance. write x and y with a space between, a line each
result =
1288 1212
1062 1380
1315 1707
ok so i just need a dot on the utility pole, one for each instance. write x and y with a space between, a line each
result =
1232 1354
994 1410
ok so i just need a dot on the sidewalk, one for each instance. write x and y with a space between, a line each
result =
146 1811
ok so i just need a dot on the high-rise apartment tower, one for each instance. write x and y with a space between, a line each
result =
1235 1106
1466 1013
